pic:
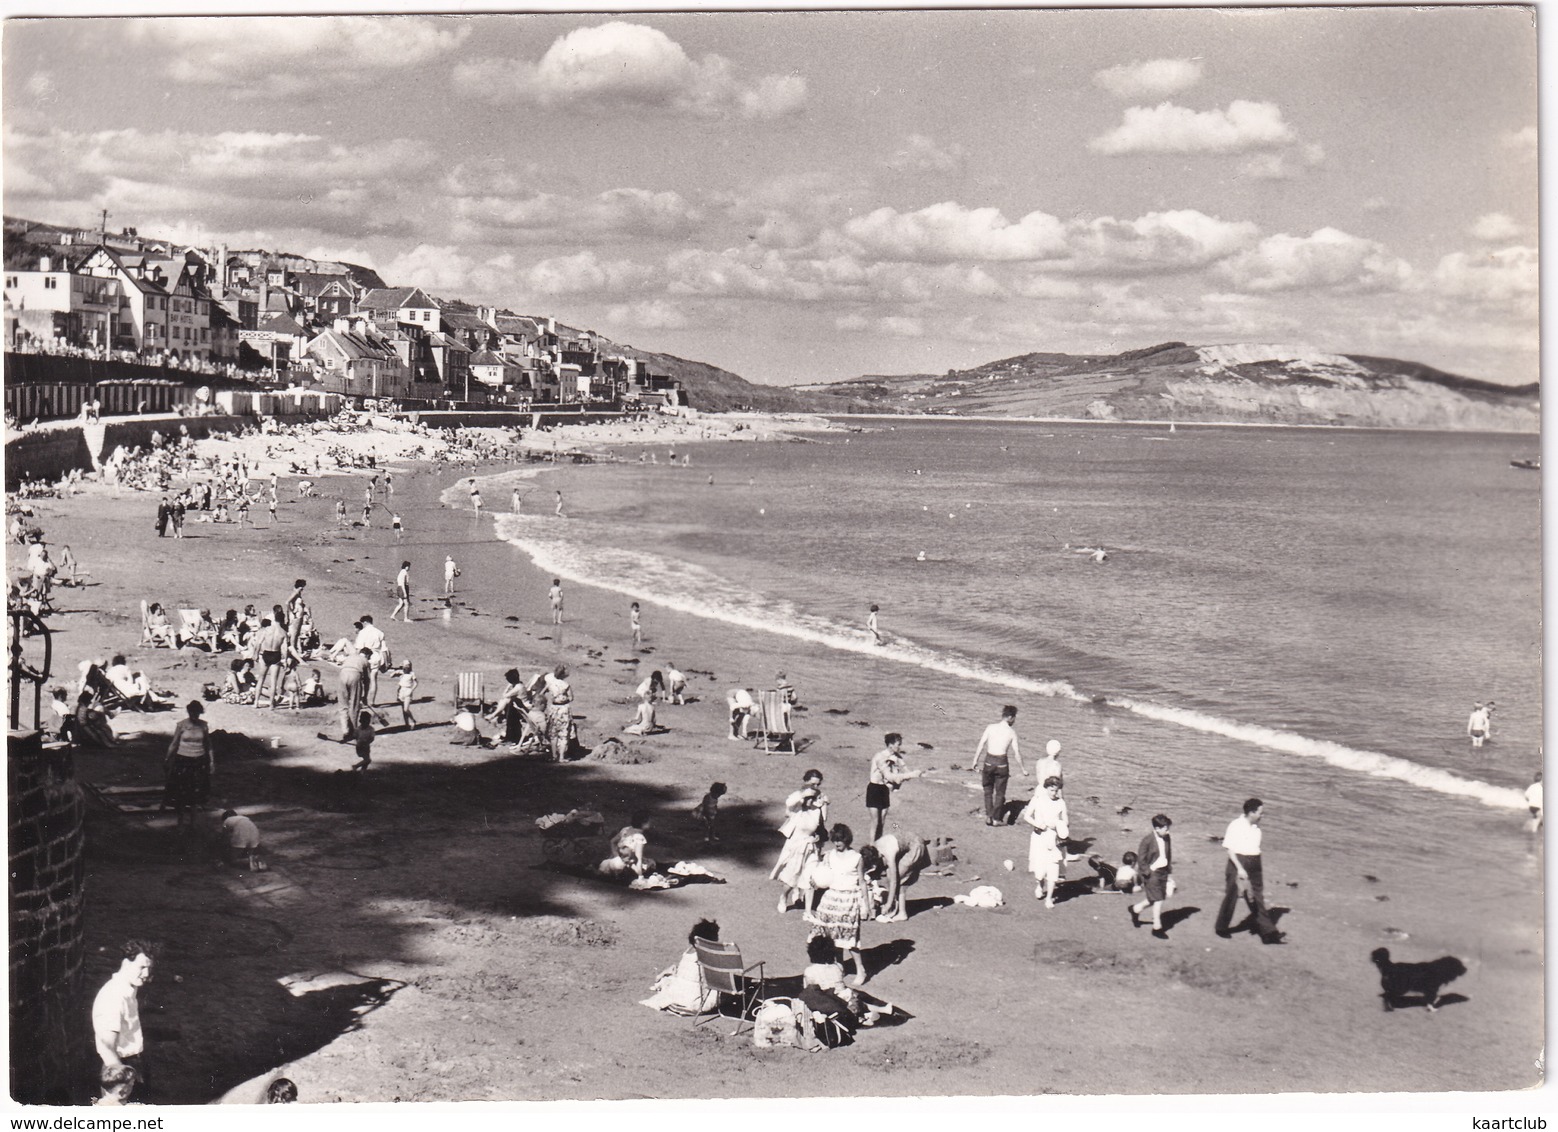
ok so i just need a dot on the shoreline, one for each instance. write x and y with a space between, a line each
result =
430 879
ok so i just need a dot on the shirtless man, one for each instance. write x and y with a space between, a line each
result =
888 772
1479 725
998 742
898 859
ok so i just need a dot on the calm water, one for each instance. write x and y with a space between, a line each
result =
1332 596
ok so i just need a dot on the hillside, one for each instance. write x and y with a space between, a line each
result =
1244 382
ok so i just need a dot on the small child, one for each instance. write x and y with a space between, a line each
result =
270 505
313 689
395 523
118 1082
638 629
340 512
1121 879
707 811
243 840
365 734
405 687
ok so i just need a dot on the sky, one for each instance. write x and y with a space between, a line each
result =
810 196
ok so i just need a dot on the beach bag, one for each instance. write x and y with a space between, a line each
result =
943 851
776 1024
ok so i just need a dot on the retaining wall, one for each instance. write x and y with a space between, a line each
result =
50 1036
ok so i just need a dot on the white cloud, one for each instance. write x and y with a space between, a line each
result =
618 213
652 315
450 273
585 274
1282 165
1495 228
948 231
282 55
1152 79
621 66
1167 128
894 326
1176 240
1489 277
1328 259
921 154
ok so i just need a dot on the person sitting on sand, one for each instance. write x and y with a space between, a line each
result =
465 731
91 727
230 633
238 687
824 991
643 721
679 988
629 858
1121 878
241 840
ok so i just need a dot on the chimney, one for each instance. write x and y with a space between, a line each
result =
45 263
342 325
551 325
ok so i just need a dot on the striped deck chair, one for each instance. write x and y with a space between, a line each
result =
774 732
468 691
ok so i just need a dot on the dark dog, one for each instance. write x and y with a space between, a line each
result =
1399 980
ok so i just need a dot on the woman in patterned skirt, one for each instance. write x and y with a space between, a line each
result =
841 875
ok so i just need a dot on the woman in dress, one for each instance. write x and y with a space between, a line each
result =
188 764
839 911
559 710
679 989
1046 813
805 825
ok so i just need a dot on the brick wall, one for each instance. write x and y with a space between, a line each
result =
49 1031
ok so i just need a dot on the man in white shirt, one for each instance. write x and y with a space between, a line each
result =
996 745
451 571
116 1012
1243 877
741 704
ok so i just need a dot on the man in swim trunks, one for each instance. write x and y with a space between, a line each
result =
1478 725
887 774
996 745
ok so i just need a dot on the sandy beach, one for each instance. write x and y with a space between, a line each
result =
409 941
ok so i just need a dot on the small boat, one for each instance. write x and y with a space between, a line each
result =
1528 465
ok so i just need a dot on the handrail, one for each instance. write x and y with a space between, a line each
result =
26 622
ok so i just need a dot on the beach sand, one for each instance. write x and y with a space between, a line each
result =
432 955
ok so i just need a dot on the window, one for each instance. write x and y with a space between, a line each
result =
50 283
10 280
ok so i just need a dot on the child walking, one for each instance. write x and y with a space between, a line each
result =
638 629
707 811
406 687
365 734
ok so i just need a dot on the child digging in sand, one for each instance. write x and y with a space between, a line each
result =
365 734
707 811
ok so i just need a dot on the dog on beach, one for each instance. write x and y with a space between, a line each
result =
1398 981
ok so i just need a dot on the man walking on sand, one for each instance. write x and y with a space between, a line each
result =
888 772
116 1011
1243 876
996 745
451 572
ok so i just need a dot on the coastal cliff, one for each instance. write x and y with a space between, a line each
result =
1243 382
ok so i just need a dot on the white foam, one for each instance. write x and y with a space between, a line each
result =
688 588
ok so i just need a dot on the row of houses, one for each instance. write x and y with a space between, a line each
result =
320 325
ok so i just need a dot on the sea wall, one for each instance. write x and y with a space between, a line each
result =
49 1035
507 418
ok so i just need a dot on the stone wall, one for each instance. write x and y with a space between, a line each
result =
49 1031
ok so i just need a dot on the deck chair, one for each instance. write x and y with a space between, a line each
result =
468 691
191 633
773 723
156 637
720 970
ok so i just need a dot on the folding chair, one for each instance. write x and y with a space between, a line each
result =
161 636
194 630
720 970
773 723
468 691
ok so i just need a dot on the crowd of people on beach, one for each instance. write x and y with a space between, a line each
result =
838 879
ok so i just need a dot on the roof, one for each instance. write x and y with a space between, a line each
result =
488 358
355 344
394 298
281 324
448 342
466 320
315 283
518 324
